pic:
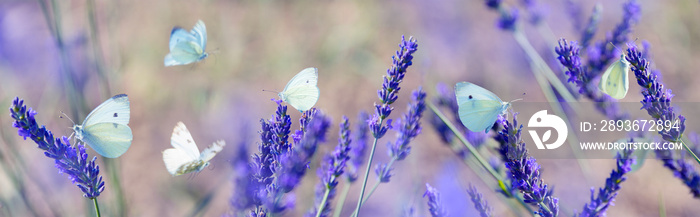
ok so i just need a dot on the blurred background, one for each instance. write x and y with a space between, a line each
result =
112 47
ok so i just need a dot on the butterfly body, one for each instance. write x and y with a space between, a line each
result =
301 92
105 129
187 47
614 81
185 157
478 107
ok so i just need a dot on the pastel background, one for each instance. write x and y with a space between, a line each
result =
258 45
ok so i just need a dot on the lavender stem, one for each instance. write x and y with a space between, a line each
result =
473 150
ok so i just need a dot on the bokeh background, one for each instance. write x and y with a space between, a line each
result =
113 47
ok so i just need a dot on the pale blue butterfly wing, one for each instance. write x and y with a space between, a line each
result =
108 139
114 110
615 81
187 47
199 31
302 91
105 129
478 107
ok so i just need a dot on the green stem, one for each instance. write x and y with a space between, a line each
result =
341 200
690 151
97 48
324 201
474 152
97 207
369 166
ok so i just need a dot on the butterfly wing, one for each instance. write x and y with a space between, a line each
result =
199 32
308 76
184 52
178 35
478 107
114 110
301 92
108 139
614 81
212 150
181 139
176 160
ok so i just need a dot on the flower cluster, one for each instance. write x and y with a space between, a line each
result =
390 88
607 194
410 128
434 204
508 18
657 103
600 54
69 160
333 167
480 203
279 166
524 170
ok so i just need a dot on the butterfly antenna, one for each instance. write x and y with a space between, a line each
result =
270 91
64 115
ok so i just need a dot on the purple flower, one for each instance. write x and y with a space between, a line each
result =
358 147
434 204
524 170
592 27
657 99
606 195
280 165
507 18
410 126
390 87
83 173
632 12
657 102
480 203
333 167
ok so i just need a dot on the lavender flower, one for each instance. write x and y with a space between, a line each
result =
682 169
388 95
524 170
508 18
390 88
329 172
606 195
436 209
83 173
601 54
410 128
279 166
657 102
590 30
358 147
244 191
480 203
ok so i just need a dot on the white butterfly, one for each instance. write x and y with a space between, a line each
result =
185 156
478 107
301 92
187 47
614 81
105 128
